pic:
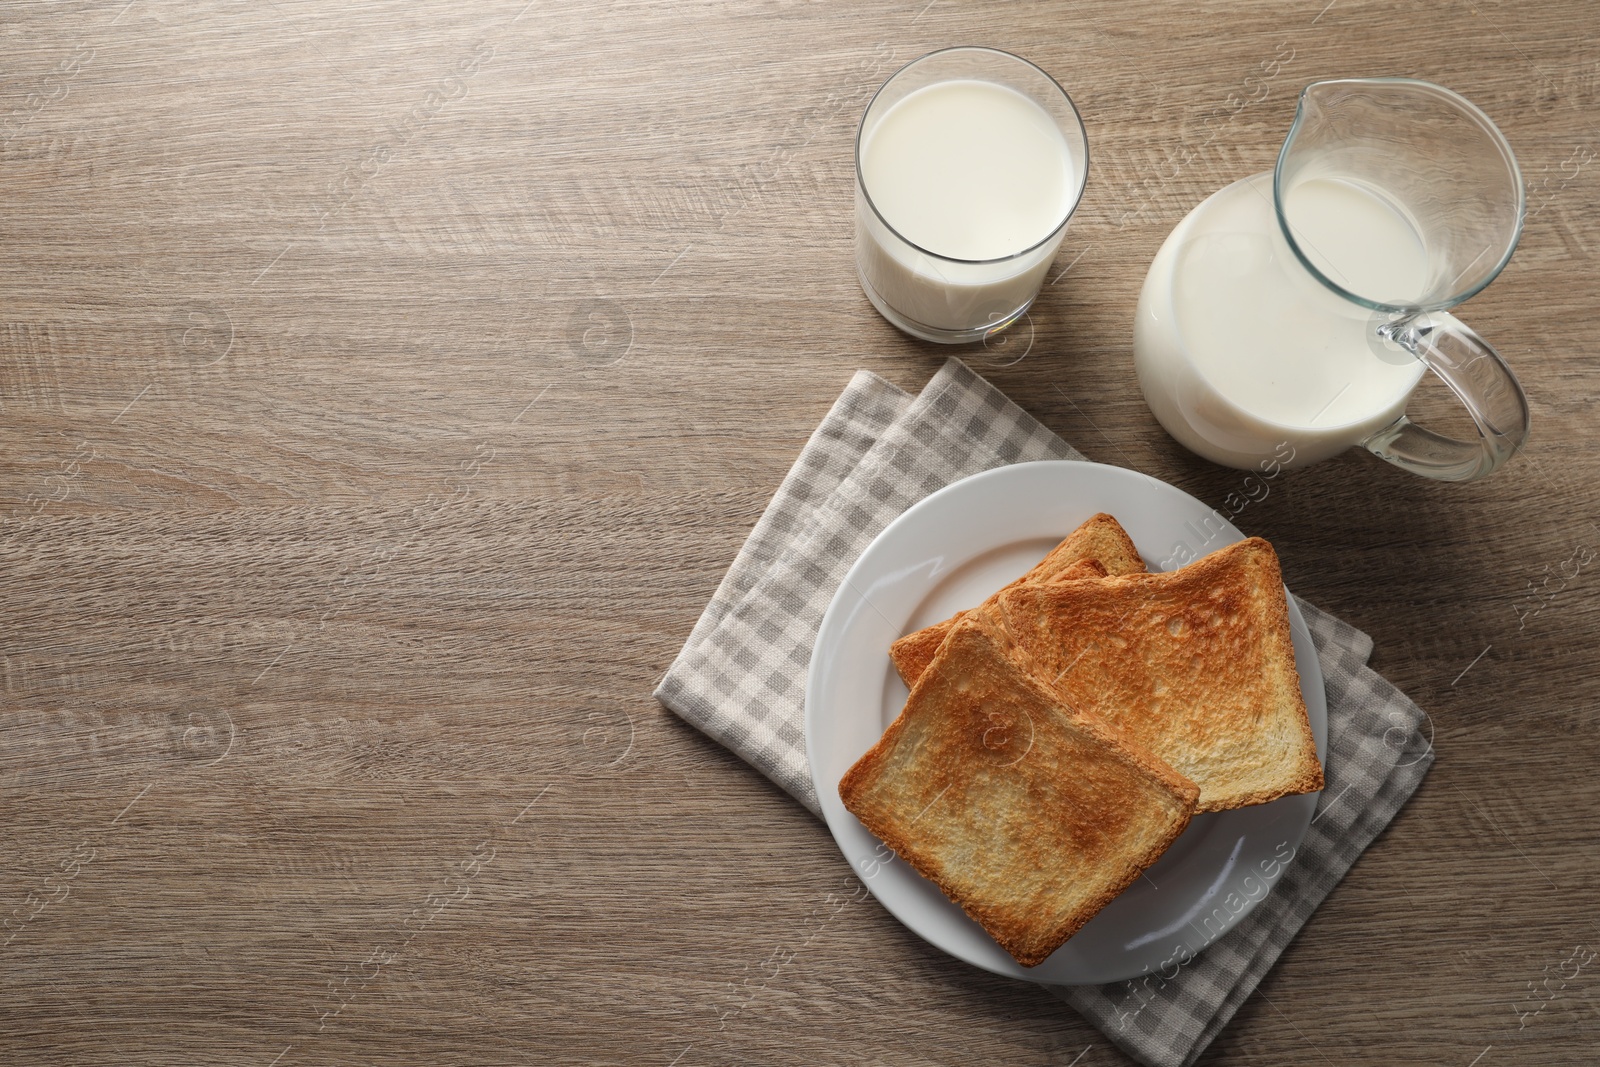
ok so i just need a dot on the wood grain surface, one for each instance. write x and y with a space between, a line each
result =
384 388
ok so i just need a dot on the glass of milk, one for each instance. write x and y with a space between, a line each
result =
1291 315
969 162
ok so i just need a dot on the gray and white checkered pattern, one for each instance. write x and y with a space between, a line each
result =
741 676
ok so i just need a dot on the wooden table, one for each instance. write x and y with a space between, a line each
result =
385 387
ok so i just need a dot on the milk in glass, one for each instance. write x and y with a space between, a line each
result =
978 182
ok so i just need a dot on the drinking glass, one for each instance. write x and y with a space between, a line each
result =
976 284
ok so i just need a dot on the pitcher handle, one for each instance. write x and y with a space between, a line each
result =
1477 375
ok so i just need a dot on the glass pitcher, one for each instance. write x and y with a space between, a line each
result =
1292 314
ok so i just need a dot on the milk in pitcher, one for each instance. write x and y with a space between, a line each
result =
1240 351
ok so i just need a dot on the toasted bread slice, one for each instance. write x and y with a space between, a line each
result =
1196 664
1101 539
1030 817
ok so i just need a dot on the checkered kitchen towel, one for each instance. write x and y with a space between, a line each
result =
741 676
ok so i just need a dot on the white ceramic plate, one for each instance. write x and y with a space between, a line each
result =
951 551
